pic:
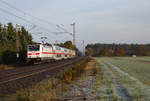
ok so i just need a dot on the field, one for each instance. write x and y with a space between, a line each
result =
138 67
142 58
125 79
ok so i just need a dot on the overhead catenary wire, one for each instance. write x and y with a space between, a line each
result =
21 18
61 28
21 11
5 11
62 33
39 19
31 26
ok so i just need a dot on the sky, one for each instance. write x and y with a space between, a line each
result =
97 21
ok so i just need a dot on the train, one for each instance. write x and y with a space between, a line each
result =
41 52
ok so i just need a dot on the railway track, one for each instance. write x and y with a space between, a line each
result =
26 68
11 75
29 74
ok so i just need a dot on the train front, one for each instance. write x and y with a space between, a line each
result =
33 53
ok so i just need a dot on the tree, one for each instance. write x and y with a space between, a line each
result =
8 43
102 52
25 38
109 52
147 53
119 49
140 50
68 45
89 51
120 52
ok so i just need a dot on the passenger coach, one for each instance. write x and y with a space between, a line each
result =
39 52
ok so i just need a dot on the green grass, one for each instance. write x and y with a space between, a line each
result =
143 58
140 70
137 90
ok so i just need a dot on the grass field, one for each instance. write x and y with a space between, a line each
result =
138 67
142 58
125 79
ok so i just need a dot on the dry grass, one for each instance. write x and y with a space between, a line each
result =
74 72
50 89
98 79
43 91
5 67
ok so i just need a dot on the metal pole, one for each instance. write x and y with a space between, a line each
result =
83 48
17 42
74 31
56 42
74 41
17 45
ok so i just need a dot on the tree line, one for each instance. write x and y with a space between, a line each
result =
8 45
67 44
99 49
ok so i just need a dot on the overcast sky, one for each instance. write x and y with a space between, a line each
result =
97 21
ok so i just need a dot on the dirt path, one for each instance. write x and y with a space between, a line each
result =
119 92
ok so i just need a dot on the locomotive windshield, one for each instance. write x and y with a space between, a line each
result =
34 48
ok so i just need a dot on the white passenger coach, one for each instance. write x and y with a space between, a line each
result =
41 52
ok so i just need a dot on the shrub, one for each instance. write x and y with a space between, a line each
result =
70 74
9 57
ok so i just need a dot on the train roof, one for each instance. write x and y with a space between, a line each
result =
40 44
52 45
60 47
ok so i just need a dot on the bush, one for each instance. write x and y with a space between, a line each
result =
9 57
70 74
22 57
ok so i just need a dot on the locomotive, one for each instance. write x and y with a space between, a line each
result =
40 52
